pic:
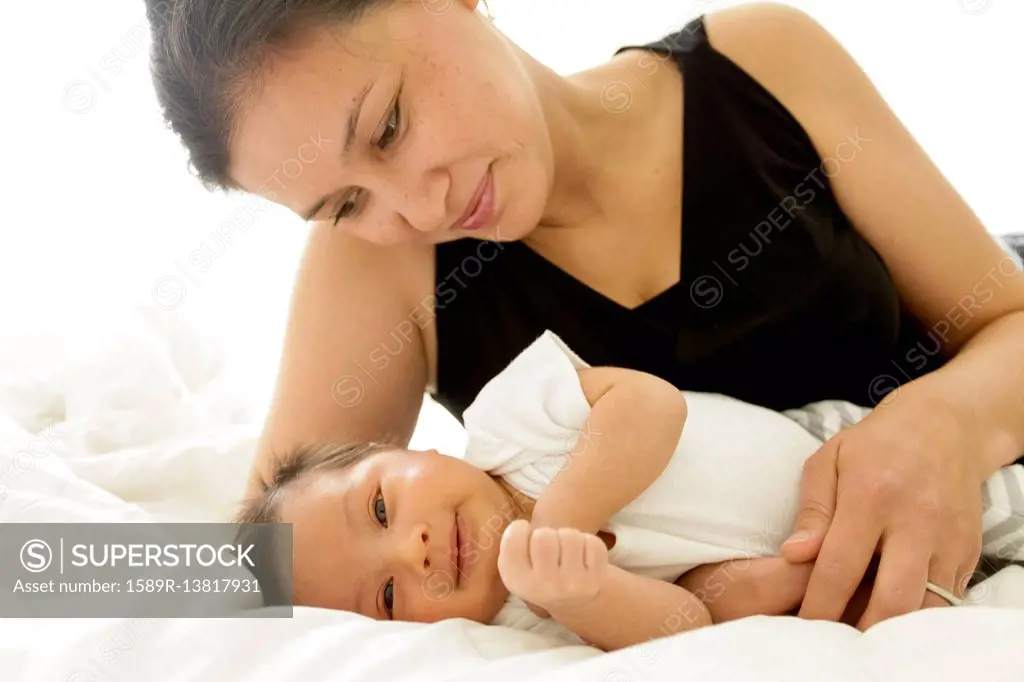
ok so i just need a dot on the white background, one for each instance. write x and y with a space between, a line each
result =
98 206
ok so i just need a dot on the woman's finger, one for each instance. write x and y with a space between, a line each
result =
946 575
842 562
818 486
971 566
899 587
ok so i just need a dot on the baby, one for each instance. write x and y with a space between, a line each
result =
579 507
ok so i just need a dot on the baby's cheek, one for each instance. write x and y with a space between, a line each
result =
431 600
435 603
436 593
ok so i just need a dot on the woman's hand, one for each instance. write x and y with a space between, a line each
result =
905 482
551 568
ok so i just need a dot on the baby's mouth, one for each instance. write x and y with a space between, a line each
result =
458 553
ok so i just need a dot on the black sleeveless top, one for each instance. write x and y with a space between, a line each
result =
780 302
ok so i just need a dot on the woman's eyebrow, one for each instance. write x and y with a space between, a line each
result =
350 134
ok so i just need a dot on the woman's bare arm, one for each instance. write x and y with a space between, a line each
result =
905 482
354 363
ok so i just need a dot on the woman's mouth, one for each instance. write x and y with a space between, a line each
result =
481 207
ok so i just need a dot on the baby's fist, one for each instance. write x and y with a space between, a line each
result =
553 568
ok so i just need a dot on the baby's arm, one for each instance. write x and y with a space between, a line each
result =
567 573
632 609
634 426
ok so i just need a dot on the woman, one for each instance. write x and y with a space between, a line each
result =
734 209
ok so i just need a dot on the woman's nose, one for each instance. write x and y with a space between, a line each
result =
420 199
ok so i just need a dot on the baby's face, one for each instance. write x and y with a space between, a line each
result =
402 535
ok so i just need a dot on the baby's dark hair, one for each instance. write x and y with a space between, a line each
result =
298 464
271 562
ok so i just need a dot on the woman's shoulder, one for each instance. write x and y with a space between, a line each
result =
785 50
352 302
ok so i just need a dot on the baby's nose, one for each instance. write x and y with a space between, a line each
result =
414 549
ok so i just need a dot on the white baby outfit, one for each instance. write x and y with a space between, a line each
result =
730 491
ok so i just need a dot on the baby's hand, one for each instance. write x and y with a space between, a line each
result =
553 568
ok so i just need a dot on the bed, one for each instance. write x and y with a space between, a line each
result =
139 420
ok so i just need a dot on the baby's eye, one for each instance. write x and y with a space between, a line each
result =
379 511
389 597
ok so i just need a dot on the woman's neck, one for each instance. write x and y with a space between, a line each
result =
596 123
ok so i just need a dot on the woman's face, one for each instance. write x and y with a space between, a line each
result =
418 124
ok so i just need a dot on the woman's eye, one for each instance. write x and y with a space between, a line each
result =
346 210
379 511
389 597
390 128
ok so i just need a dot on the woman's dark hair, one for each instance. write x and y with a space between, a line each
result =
208 58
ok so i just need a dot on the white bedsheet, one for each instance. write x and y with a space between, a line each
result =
137 417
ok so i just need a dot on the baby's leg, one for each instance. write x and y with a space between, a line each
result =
763 586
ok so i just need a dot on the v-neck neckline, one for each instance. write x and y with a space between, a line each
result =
668 294
596 296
